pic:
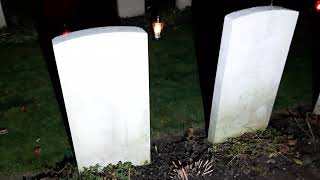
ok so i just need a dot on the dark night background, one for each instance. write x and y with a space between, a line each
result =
51 17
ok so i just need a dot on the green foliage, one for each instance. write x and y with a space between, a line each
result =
91 173
120 171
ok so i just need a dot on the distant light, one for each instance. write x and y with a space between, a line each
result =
318 6
65 32
157 28
66 29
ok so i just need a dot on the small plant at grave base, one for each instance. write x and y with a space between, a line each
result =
247 143
66 170
240 151
91 173
195 169
120 171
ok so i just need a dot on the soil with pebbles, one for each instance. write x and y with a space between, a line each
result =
288 149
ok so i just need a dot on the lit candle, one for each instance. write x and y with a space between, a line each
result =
157 28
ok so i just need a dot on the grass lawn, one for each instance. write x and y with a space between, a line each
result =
174 90
24 82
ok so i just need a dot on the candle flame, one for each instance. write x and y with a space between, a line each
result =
157 28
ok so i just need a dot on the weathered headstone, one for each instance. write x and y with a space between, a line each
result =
130 8
316 110
2 18
253 52
105 83
182 4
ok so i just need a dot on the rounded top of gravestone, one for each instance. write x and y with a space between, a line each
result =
95 31
259 9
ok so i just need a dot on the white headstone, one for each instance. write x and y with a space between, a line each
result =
104 75
253 52
2 19
130 8
316 110
182 4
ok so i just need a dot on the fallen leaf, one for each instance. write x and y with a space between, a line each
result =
37 151
297 161
292 142
189 133
284 149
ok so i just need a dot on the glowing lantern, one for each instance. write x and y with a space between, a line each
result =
157 28
318 6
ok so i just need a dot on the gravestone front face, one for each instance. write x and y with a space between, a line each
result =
105 83
130 8
254 48
316 110
2 19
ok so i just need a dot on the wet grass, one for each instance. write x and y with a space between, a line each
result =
28 110
175 94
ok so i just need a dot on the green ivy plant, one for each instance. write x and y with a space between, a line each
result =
120 171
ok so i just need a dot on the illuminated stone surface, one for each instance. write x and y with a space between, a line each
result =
104 76
253 52
182 4
130 8
2 19
316 110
